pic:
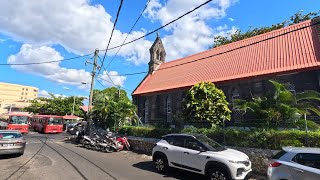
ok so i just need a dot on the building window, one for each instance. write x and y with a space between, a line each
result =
22 89
21 97
27 89
168 108
258 86
146 110
35 90
235 94
22 93
26 94
290 87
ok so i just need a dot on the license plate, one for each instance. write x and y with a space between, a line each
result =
5 145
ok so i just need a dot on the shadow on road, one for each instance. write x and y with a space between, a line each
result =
172 172
9 156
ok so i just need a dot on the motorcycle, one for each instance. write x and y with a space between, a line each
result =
124 142
115 145
102 144
88 143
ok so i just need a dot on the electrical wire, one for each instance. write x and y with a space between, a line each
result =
114 25
240 47
159 27
117 85
44 62
106 72
100 83
129 33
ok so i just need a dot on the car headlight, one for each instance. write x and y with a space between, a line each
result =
235 162
246 163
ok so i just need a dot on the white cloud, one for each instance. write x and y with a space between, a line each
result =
80 27
231 19
115 79
2 40
52 71
43 93
77 25
191 34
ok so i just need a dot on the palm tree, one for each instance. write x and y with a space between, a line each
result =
281 105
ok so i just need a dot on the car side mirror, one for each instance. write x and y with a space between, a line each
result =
202 150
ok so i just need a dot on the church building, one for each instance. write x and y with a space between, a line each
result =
290 55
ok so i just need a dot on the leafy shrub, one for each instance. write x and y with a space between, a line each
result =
300 124
268 139
295 143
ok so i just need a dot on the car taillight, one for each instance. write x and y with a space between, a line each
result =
274 164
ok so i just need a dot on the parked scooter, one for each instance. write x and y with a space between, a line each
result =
124 142
115 145
88 142
102 144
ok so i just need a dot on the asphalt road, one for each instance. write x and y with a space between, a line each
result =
48 157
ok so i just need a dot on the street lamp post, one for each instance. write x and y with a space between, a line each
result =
74 98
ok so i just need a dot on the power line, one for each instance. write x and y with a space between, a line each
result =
129 33
117 85
107 72
159 27
44 62
101 83
114 25
240 47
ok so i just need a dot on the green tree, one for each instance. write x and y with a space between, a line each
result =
56 105
239 35
204 101
112 107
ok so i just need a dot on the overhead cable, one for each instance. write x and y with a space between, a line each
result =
114 25
145 7
159 27
44 62
240 47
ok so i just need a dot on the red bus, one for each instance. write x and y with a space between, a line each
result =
19 122
47 123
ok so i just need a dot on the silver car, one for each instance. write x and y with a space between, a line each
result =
295 163
11 142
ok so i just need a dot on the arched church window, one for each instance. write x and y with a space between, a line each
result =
235 94
146 110
290 87
168 108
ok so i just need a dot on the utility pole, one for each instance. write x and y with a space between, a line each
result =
93 74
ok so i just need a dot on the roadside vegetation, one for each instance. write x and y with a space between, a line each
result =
282 116
56 105
239 35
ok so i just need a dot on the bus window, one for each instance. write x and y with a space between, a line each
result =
19 120
54 121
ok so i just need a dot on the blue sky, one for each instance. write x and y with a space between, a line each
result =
52 30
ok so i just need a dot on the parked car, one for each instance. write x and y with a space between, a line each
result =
200 154
70 127
11 142
295 163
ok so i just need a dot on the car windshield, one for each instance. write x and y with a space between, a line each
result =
209 143
18 120
8 135
54 121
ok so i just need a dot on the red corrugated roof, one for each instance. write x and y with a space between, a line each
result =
288 49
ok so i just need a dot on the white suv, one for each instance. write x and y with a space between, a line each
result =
199 154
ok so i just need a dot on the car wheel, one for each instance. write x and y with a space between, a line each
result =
160 163
217 174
